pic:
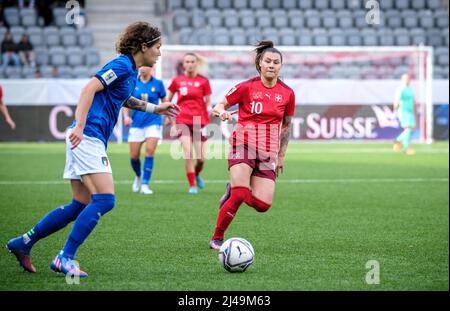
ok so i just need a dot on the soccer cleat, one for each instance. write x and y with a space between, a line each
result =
65 265
200 182
225 196
18 248
146 190
193 190
410 151
215 244
397 146
137 184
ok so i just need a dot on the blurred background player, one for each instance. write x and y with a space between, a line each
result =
257 152
193 97
87 164
405 108
145 127
5 112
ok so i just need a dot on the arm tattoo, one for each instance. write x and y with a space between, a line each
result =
285 133
134 103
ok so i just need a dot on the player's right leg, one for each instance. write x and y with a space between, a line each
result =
186 143
240 175
135 139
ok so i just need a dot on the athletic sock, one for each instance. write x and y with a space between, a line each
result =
54 221
229 210
191 178
148 168
136 165
256 203
86 222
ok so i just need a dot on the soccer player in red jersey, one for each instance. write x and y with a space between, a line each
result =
4 111
259 143
193 92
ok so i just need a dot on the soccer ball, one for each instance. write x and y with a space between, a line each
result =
236 255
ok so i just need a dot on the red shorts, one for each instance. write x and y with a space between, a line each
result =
188 130
263 167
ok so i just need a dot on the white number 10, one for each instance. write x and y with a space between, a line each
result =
256 107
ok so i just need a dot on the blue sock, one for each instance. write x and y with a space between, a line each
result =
148 168
136 165
407 138
86 222
55 220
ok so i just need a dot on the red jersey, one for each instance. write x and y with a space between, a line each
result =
191 92
1 93
261 113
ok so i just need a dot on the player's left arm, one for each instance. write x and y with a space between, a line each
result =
284 141
165 108
207 100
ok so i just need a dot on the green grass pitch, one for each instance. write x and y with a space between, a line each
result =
336 207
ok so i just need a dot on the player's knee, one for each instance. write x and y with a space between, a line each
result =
240 194
104 201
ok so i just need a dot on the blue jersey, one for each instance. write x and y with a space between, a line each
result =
119 79
150 91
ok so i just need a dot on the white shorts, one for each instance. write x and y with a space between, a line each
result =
87 158
138 135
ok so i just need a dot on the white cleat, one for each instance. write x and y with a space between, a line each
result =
146 190
137 184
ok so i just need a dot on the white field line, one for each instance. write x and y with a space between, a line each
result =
282 181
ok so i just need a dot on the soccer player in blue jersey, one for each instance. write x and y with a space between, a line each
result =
145 127
405 108
87 164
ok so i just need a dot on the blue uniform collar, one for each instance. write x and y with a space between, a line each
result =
131 60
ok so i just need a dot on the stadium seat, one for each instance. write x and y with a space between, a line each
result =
57 55
230 18
247 19
287 36
59 16
221 36
386 5
337 5
337 37
393 19
312 19
181 18
441 55
320 37
68 36
402 37
305 4
369 36
47 71
401 4
92 56
75 56
28 72
255 4
253 35
51 35
345 19
17 33
271 34
224 4
240 4
445 37
354 4
418 36
191 4
42 57
273 4
441 18
305 37
296 19
238 36
289 4
214 18
280 18
85 37
203 37
2 33
174 4
321 4
386 37
65 72
434 38
185 35
353 37
263 18
81 72
2 72
35 35
28 17
352 72
410 19
12 16
426 19
328 19
13 72
435 4
418 4
359 19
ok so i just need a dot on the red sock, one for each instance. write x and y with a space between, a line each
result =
191 178
229 209
256 203
199 167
